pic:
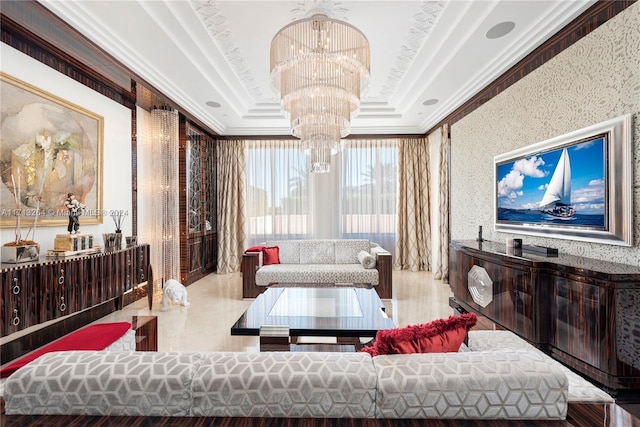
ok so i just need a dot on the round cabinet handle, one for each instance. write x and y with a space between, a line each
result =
16 286
16 319
63 306
61 278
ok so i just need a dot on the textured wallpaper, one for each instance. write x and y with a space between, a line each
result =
596 79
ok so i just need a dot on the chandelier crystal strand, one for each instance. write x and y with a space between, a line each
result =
319 69
165 165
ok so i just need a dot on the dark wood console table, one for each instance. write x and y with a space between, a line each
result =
583 312
76 290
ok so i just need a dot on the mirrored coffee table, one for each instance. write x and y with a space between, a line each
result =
281 314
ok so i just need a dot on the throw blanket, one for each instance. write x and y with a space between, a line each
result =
367 260
94 337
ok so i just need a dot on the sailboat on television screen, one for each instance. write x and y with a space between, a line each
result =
556 202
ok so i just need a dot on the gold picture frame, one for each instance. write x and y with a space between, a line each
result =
49 147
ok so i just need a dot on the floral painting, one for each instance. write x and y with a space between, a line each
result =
48 149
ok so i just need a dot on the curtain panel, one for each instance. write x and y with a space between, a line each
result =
441 272
369 191
278 186
231 204
413 248
356 199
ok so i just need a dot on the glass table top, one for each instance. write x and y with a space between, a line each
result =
337 311
317 302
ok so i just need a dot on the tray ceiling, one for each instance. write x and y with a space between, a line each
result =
212 57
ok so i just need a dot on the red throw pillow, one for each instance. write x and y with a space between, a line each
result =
438 336
270 255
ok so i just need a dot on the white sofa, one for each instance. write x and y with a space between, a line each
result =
508 384
322 261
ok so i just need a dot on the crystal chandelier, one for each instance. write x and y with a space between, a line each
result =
319 68
165 166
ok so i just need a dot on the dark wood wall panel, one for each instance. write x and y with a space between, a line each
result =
28 43
183 203
198 246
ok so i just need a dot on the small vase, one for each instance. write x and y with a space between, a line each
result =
118 239
112 241
21 253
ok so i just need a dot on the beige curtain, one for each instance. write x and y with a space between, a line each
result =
442 259
231 204
413 247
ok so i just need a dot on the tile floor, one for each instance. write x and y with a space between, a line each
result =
216 303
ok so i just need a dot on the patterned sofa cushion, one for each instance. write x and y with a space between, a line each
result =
324 385
580 390
288 250
317 252
347 250
509 384
101 383
315 273
321 251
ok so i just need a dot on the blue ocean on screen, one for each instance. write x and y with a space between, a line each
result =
528 216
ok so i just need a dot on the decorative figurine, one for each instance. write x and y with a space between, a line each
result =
175 292
75 210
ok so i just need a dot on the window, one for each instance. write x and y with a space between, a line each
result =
277 191
369 187
356 200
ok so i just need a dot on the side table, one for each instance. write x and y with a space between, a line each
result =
146 328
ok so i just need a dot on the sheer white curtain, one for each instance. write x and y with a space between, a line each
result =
356 199
368 191
278 184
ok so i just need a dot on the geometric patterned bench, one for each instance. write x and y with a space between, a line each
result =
480 385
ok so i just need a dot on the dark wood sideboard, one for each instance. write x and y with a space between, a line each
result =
583 312
64 289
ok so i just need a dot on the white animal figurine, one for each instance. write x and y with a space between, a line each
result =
173 291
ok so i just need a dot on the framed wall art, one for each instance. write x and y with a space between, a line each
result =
574 186
49 148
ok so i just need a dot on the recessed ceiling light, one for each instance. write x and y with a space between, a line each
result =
213 104
430 102
500 30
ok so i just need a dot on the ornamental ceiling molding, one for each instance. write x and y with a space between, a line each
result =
306 9
423 23
218 27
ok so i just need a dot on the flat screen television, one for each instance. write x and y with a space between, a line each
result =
575 186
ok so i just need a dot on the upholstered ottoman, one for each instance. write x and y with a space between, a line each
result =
580 390
99 383
507 384
290 385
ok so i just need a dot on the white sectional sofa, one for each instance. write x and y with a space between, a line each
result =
333 261
508 384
